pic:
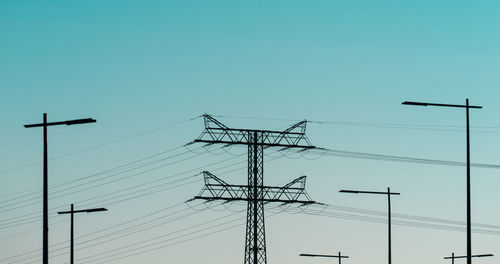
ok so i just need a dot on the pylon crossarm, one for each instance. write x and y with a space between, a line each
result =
212 123
293 193
209 177
300 125
246 143
301 180
241 191
216 132
209 198
216 188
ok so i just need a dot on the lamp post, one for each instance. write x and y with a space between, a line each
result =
453 257
388 193
72 212
339 256
45 124
467 107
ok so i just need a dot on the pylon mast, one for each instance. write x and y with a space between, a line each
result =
255 192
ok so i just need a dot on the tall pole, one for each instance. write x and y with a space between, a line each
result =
467 107
45 195
469 246
388 193
72 236
389 221
45 218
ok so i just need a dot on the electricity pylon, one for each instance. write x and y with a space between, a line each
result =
255 193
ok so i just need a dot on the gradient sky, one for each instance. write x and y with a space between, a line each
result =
146 69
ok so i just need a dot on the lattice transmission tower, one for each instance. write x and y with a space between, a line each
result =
255 193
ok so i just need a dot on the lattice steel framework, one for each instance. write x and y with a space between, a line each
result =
255 193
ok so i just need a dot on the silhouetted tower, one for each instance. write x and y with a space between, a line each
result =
255 193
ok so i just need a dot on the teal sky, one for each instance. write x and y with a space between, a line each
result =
152 66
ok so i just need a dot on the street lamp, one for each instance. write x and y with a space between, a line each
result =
72 212
388 193
45 124
453 257
339 256
467 107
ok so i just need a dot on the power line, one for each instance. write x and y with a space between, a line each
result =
222 167
407 216
334 215
105 235
15 221
321 212
102 145
55 186
396 158
107 177
156 239
166 240
97 185
372 219
432 127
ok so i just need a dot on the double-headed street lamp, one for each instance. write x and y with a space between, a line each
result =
72 212
45 124
467 107
388 193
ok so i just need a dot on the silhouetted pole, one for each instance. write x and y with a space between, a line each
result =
339 256
453 257
45 258
389 223
72 212
466 106
388 193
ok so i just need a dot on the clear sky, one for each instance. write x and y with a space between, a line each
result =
146 69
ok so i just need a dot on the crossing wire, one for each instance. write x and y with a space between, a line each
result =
394 158
394 221
102 145
100 184
95 175
36 218
322 212
431 127
35 253
226 167
334 215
